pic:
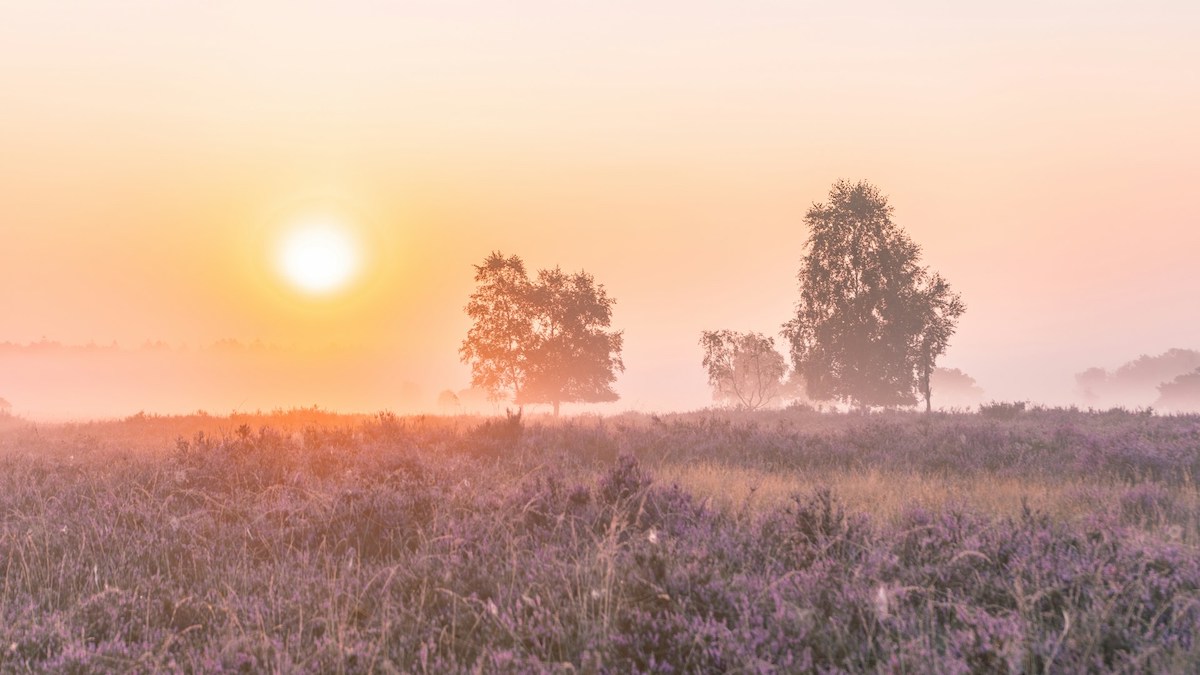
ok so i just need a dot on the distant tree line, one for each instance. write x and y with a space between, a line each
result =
1170 381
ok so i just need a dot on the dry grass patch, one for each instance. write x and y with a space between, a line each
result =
886 495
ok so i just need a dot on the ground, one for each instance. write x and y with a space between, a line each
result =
777 541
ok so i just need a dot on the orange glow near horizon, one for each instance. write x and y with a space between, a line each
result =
156 155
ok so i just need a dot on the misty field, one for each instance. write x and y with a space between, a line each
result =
782 541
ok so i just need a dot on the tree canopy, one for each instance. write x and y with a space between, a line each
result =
871 321
541 341
1136 382
744 368
1181 394
955 388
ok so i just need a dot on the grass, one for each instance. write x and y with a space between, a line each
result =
779 541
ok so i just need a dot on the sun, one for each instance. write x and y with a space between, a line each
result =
319 256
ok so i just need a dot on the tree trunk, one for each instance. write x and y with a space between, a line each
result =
927 376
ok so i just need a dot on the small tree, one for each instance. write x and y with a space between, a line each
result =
1136 382
957 387
1180 394
871 321
541 342
5 408
448 400
743 367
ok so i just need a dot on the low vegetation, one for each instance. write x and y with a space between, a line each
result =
1029 541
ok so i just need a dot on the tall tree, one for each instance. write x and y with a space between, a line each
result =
545 341
743 367
571 356
502 321
871 321
942 308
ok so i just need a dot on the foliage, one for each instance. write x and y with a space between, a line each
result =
941 309
743 367
501 326
955 386
544 341
1001 410
1134 383
1182 393
448 400
870 321
571 356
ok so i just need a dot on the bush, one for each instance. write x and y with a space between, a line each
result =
999 410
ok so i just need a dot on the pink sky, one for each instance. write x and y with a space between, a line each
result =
1044 154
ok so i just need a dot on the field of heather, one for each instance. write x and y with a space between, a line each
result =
782 541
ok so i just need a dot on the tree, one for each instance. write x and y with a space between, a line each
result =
545 341
956 386
571 357
871 321
502 323
743 367
942 307
1134 383
1180 394
1090 382
448 400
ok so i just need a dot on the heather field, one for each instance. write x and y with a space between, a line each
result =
784 541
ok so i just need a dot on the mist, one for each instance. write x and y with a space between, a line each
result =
51 381
1044 159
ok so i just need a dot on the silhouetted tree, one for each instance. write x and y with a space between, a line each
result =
448 400
1136 382
545 341
571 356
942 308
1180 394
743 367
1091 382
5 408
474 399
957 386
871 321
502 323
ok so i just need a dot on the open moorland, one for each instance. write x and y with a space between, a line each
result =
783 541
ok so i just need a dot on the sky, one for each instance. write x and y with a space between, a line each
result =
1043 154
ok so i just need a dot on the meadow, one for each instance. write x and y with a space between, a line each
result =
1006 540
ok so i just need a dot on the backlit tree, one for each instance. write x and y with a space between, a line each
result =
542 341
744 368
871 321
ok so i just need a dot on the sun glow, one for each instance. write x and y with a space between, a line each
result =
319 257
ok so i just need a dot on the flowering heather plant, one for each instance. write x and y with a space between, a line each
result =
392 544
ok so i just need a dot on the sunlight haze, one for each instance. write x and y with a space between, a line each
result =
156 158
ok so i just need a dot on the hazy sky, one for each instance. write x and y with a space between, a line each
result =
1044 154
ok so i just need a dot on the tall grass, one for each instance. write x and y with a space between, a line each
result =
780 541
